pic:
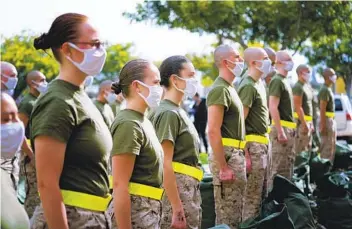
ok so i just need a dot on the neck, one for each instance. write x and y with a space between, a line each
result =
136 105
174 96
254 74
301 80
101 98
72 75
226 75
327 84
34 92
282 72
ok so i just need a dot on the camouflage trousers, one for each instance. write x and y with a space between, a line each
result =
303 141
283 155
255 179
77 218
229 197
189 192
328 140
267 177
145 213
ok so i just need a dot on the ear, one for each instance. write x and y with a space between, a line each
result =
135 86
66 49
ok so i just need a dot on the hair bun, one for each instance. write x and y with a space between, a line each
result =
42 42
117 88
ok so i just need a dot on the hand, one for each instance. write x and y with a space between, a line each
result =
248 161
226 174
312 128
178 220
305 127
282 136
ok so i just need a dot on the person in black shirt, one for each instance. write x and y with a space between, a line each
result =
201 118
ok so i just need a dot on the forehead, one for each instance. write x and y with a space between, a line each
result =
88 31
188 67
9 71
8 105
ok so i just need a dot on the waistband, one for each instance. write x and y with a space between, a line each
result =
257 138
306 117
233 143
330 114
287 124
86 201
188 170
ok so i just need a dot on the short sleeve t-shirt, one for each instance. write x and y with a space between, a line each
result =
253 96
280 87
326 94
26 107
134 134
224 94
105 111
66 113
303 90
172 123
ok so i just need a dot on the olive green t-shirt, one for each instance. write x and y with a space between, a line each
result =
172 123
253 96
280 87
26 107
133 133
303 90
326 94
66 113
105 111
223 93
13 215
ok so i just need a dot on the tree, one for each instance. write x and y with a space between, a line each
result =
19 51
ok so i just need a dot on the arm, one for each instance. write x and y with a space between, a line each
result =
50 154
245 111
25 147
274 111
215 119
299 110
122 168
323 105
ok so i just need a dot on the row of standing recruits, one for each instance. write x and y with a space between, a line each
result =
72 143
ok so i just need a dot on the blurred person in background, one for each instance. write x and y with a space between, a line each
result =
104 98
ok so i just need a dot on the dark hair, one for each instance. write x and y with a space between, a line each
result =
63 29
171 65
133 70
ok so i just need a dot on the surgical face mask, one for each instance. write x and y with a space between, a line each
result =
238 69
88 81
93 61
154 97
41 87
11 82
12 135
333 78
111 97
265 68
288 65
306 76
191 87
9 92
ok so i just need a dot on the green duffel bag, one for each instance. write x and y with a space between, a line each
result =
221 226
208 206
343 156
319 167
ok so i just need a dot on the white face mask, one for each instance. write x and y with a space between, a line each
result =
41 87
238 69
306 76
111 97
9 92
12 135
88 81
265 68
333 78
288 65
93 61
11 82
154 97
191 87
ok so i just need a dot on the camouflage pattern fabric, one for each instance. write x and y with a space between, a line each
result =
189 191
328 141
303 141
255 179
32 198
229 197
77 218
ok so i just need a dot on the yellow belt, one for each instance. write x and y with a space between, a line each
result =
306 117
142 190
28 142
234 143
257 138
145 191
188 170
85 201
287 124
268 130
330 114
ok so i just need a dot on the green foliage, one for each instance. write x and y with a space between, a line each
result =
204 63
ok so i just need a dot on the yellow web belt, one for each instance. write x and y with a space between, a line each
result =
234 143
188 170
86 201
306 117
330 114
287 124
257 138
